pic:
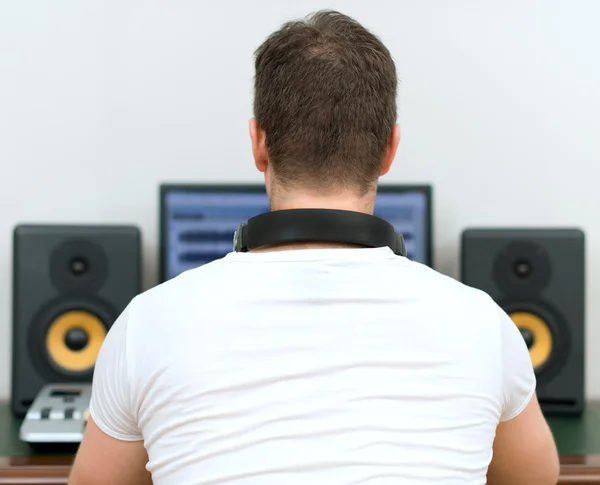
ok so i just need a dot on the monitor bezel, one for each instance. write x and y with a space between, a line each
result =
167 188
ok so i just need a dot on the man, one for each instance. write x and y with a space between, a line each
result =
316 363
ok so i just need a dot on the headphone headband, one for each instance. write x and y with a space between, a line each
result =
317 225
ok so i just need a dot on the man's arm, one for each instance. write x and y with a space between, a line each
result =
102 459
112 450
524 451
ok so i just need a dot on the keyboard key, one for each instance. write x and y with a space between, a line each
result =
69 413
57 415
45 414
33 414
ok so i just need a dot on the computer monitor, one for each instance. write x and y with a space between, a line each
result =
197 222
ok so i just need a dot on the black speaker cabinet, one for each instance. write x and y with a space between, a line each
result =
538 277
70 283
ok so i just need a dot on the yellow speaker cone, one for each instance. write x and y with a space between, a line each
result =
74 340
541 335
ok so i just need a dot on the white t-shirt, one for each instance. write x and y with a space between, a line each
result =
321 367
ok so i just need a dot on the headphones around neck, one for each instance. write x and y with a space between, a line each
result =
317 225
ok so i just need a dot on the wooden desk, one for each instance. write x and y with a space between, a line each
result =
577 438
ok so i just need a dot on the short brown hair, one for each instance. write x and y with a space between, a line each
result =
325 96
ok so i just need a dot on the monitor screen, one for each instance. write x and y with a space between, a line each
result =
198 222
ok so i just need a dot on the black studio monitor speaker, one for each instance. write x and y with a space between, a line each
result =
70 283
538 277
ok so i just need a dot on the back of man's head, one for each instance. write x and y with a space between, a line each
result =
325 97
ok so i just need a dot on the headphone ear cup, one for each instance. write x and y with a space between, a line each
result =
400 246
237 239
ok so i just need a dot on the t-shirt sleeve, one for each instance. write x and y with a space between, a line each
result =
518 376
111 405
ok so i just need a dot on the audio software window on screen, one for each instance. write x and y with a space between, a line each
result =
200 225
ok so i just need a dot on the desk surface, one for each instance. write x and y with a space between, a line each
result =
577 439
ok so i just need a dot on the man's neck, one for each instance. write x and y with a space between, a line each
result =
339 201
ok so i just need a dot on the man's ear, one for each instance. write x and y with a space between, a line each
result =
259 146
390 152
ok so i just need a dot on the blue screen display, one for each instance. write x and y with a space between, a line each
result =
199 224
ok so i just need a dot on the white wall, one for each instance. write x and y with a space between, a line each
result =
101 100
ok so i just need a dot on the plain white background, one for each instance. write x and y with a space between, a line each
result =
102 100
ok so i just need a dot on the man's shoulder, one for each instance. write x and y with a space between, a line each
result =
189 286
188 278
427 275
448 291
